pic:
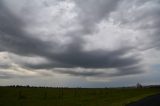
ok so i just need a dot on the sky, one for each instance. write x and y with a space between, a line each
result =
77 43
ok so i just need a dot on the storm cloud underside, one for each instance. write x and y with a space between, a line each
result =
101 39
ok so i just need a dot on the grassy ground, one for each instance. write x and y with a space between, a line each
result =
71 97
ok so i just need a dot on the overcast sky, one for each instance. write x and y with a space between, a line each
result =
79 43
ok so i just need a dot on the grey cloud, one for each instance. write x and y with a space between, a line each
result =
92 11
75 56
103 72
5 76
4 66
144 18
76 73
96 59
14 39
91 59
128 71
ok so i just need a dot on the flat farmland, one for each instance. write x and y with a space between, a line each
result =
30 96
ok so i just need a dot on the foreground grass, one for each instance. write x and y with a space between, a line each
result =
72 96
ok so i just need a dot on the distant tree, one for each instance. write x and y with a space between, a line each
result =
27 86
139 85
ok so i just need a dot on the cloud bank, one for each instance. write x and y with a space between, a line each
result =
104 39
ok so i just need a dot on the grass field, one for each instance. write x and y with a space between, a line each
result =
11 96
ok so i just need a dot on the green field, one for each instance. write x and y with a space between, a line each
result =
11 96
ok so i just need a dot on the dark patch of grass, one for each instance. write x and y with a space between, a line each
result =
12 96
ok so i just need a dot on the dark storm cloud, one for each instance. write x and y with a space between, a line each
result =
95 59
90 59
14 39
102 72
76 73
75 56
131 70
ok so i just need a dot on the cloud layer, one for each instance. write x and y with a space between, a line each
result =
105 38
